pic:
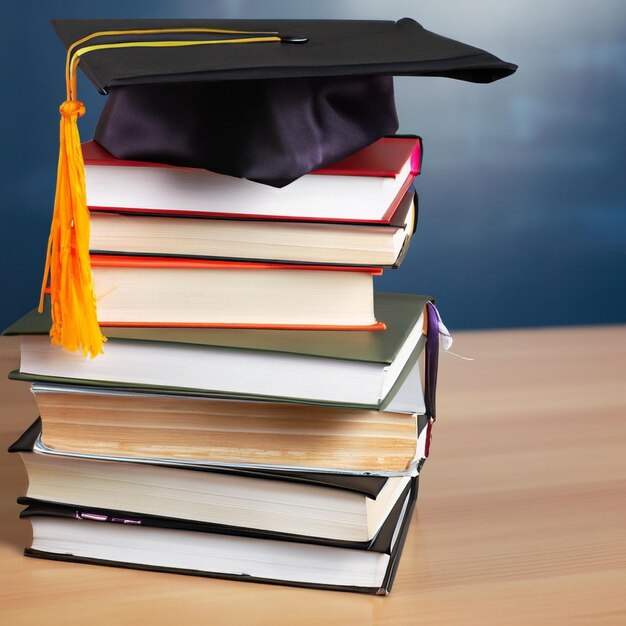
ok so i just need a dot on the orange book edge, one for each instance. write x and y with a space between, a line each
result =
376 326
107 260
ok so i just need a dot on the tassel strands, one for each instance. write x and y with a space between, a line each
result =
73 303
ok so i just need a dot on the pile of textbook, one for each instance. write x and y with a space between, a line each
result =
259 412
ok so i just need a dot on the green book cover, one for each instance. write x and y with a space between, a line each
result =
400 313
141 387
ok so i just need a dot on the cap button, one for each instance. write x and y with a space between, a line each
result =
292 39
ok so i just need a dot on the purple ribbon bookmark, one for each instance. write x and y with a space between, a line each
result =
432 360
432 364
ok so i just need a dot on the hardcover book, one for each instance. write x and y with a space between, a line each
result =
162 291
362 369
261 240
367 187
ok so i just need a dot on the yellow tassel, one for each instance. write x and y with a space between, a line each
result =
72 295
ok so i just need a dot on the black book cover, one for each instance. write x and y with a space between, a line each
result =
381 542
396 527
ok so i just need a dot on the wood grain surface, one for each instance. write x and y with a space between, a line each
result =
521 517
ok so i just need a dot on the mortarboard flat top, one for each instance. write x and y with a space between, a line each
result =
333 48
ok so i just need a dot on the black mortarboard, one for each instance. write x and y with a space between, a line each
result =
278 99
269 111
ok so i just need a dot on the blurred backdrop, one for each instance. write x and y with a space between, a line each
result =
522 195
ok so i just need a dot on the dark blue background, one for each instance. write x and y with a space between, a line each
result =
522 194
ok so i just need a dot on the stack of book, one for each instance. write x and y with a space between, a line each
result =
259 412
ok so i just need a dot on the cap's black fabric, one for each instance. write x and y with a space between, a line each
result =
334 48
270 111
270 131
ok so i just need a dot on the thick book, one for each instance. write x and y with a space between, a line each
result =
367 485
326 506
120 539
165 291
364 369
107 422
366 187
282 241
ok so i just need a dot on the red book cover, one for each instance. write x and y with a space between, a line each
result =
383 158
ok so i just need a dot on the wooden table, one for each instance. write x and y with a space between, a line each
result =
521 517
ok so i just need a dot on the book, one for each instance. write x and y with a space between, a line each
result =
368 485
161 291
283 241
134 425
121 539
365 188
364 369
329 506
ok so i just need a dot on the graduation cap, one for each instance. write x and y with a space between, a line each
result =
277 99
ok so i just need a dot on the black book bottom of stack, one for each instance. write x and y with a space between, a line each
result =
146 542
